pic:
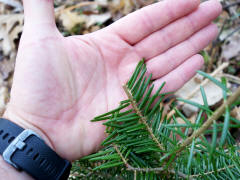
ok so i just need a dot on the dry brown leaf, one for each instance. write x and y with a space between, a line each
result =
10 26
231 48
213 92
236 113
120 8
127 6
6 68
13 3
143 2
4 96
102 2
181 121
71 18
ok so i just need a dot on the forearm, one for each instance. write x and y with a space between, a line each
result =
9 172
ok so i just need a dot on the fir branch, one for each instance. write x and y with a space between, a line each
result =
159 170
133 146
156 170
218 113
142 118
121 155
211 172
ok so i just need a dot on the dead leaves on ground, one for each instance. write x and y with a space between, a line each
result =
231 48
213 92
85 14
11 26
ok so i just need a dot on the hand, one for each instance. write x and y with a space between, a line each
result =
61 83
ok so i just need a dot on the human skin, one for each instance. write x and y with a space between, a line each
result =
61 83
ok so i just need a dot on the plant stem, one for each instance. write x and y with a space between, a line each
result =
217 114
120 154
211 172
142 118
156 170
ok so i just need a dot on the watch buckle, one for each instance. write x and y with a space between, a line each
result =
17 143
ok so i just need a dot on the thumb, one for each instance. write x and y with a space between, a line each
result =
39 19
38 12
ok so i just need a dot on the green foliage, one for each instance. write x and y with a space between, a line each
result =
143 143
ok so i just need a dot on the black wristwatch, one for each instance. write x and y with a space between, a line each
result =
25 150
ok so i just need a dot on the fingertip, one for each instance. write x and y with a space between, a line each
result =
192 4
200 60
183 5
188 3
211 31
218 6
214 6
191 66
182 74
214 29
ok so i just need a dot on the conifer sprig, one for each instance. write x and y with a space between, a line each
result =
145 143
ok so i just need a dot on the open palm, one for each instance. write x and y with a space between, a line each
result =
60 83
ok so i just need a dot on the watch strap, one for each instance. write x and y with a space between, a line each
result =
25 150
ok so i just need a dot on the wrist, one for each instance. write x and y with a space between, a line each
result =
23 148
6 170
12 115
51 131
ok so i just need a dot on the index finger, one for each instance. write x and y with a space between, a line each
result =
136 26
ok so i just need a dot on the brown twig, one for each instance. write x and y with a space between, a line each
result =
211 172
216 115
142 118
231 34
213 57
156 170
231 78
120 154
79 5
135 175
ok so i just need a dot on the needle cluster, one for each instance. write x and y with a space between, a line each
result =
144 143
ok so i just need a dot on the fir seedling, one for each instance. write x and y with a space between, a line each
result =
143 143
